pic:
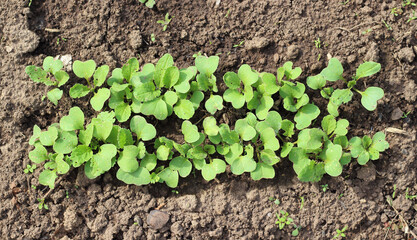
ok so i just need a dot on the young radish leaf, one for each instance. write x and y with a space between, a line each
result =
370 97
54 95
214 103
367 69
207 65
84 69
97 102
74 120
139 177
190 132
143 130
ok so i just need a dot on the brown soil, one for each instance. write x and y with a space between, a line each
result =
110 32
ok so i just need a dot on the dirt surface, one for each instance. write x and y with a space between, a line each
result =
110 32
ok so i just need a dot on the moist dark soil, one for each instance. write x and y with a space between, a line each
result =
234 207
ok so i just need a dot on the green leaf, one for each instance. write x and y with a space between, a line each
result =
230 137
231 80
310 139
338 97
123 112
97 102
146 92
214 103
288 128
100 75
161 67
130 68
170 98
333 71
61 78
86 135
47 178
54 95
116 76
268 157
289 72
47 138
102 129
207 65
286 148
39 154
182 165
265 105
143 130
37 74
235 97
190 132
66 142
306 115
331 155
149 161
183 84
210 126
156 107
269 139
140 176
127 160
184 109
316 82
196 98
36 133
74 120
358 150
269 85
80 155
62 167
51 65
170 177
341 127
245 131
379 143
370 97
328 124
163 152
367 69
78 91
262 171
171 77
209 171
247 76
244 163
84 69
306 169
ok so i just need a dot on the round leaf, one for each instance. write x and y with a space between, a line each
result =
84 69
97 102
127 160
214 103
370 97
306 115
190 132
139 177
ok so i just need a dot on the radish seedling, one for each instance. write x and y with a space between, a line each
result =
148 3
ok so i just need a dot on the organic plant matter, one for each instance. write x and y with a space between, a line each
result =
148 3
315 144
51 75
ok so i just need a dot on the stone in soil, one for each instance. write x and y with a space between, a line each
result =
157 219
406 54
396 114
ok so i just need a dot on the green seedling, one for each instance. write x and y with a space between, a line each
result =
296 231
148 3
227 13
409 197
395 191
408 3
396 11
51 75
58 40
42 204
29 168
239 44
333 72
143 95
386 25
345 2
302 202
30 3
324 187
412 17
165 22
153 37
283 219
340 233
367 31
317 43
33 187
367 148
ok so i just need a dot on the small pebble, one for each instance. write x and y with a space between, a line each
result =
157 219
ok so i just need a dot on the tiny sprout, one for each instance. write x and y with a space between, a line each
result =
387 25
413 17
317 43
340 233
153 37
394 192
405 115
277 202
239 44
302 202
34 187
42 204
409 197
296 231
396 11
227 13
283 219
175 191
165 22
324 187
29 168
408 2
